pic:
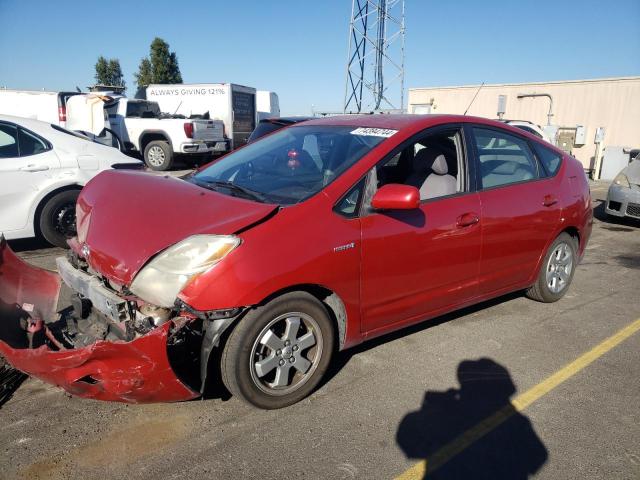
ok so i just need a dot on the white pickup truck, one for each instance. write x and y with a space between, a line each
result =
158 136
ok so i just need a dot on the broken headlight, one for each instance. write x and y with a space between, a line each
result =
160 281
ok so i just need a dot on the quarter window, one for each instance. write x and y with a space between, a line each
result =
30 144
8 141
503 158
549 158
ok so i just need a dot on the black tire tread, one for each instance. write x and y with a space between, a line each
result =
233 349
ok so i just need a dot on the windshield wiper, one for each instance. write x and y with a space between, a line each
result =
236 188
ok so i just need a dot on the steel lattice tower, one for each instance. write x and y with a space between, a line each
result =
375 65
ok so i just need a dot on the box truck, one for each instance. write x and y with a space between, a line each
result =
234 104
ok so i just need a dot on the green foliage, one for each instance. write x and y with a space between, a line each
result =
161 66
108 72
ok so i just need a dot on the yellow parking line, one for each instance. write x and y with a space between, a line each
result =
446 453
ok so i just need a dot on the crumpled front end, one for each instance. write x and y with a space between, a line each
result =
86 352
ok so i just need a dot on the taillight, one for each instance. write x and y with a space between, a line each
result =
62 114
188 130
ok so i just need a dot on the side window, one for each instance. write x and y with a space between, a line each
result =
549 158
30 144
433 164
8 141
503 158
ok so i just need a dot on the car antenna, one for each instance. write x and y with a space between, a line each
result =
176 111
474 98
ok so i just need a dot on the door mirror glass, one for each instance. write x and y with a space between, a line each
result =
395 196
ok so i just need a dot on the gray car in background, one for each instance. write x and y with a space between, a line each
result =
623 198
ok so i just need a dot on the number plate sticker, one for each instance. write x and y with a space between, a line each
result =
374 132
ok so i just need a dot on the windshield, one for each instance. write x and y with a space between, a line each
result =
69 132
291 165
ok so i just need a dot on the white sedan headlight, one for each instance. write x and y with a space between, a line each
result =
622 180
160 281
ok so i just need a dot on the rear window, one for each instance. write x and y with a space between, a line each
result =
549 159
143 109
263 129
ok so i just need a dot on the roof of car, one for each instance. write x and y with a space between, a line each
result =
286 120
30 123
398 121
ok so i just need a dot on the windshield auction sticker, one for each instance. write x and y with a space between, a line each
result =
373 132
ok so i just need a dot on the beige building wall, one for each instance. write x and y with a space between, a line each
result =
612 103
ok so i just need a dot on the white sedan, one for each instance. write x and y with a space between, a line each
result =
42 169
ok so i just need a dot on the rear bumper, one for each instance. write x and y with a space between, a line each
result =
205 147
623 202
138 371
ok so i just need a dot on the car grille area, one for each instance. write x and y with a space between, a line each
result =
633 210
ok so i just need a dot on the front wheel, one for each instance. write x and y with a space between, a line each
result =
58 218
556 271
278 353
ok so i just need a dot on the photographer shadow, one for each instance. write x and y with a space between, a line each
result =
474 431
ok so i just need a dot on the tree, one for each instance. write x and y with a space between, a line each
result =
108 72
161 66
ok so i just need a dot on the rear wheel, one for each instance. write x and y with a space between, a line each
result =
278 352
557 270
58 218
158 155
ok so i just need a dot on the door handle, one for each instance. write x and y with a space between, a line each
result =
549 200
467 219
35 168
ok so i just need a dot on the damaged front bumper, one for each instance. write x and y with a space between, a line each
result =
164 364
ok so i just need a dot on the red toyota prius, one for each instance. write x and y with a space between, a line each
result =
261 265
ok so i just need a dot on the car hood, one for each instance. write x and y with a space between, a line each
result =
125 218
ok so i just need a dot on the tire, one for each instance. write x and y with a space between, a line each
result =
552 285
57 222
158 155
252 369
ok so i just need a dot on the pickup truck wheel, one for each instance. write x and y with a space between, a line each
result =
278 352
158 155
58 218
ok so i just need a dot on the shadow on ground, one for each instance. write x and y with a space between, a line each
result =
473 431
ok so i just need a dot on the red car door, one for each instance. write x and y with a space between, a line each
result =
419 263
519 208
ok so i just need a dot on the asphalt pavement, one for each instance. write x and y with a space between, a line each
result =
507 389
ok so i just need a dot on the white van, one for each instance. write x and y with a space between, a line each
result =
48 107
234 104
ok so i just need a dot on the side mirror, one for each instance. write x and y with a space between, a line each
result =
396 197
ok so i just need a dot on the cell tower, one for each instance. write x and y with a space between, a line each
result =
375 65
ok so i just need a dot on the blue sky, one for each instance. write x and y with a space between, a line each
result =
299 48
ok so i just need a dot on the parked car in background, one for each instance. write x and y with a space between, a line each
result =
623 197
158 137
234 104
530 127
278 261
45 106
42 169
270 125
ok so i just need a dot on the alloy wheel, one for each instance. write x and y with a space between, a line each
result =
156 156
286 353
559 267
